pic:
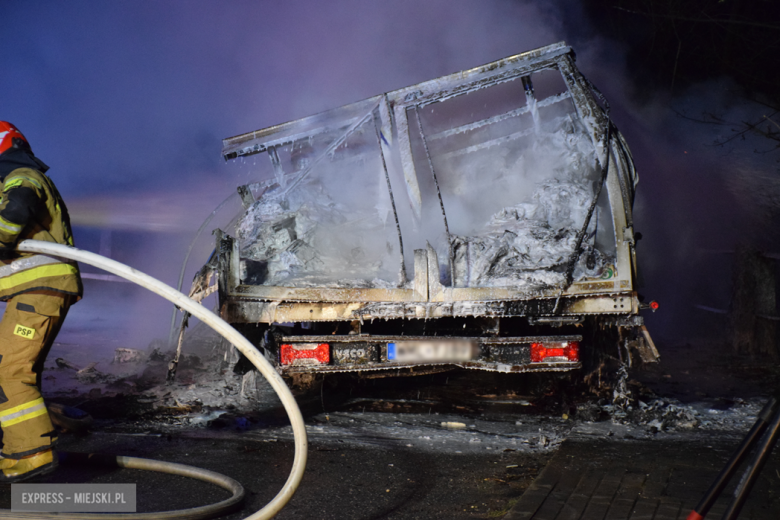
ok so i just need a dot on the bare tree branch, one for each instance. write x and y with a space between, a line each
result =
769 118
762 103
747 127
714 121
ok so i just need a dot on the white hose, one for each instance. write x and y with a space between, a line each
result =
224 329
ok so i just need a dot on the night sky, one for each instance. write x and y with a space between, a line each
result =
128 103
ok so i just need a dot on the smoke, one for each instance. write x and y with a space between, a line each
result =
703 191
704 187
129 102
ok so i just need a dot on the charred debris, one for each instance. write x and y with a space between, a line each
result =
481 220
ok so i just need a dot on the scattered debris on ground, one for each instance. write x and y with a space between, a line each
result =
459 411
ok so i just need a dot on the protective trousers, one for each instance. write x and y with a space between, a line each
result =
27 331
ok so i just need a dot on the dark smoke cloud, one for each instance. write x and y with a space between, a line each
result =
128 103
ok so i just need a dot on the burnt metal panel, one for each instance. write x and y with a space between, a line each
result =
224 251
259 141
235 310
619 174
246 303
487 75
420 275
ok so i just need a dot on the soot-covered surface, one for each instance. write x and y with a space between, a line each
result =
515 210
482 437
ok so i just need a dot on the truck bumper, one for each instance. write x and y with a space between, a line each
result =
364 353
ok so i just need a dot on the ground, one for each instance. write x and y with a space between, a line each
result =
458 444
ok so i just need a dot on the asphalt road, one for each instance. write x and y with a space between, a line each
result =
383 478
449 446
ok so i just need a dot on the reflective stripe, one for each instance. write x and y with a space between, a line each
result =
17 181
28 262
10 226
22 412
36 273
12 184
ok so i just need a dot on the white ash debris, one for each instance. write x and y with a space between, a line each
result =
320 243
516 247
424 432
515 211
670 415
621 395
214 391
128 355
530 243
659 415
206 376
214 382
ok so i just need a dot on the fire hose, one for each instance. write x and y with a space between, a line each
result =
244 346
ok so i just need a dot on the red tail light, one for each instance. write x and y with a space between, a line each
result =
570 351
305 354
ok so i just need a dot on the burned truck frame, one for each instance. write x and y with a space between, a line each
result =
480 220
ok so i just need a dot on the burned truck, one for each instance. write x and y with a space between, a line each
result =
480 220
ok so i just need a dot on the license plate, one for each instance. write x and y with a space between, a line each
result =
416 351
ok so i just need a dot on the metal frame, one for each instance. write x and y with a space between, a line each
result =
427 297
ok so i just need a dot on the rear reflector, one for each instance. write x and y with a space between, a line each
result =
566 351
305 354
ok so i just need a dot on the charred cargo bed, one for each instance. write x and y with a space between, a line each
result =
493 230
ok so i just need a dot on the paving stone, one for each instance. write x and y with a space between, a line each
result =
574 507
620 509
557 498
529 503
578 500
597 508
668 509
653 489
644 509
598 479
689 505
687 482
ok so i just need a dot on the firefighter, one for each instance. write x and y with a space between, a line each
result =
38 290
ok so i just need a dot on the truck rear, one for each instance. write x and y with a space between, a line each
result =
480 220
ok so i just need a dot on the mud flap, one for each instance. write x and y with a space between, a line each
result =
643 346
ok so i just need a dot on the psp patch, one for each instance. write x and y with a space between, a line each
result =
24 332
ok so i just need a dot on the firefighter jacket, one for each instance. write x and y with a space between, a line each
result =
31 208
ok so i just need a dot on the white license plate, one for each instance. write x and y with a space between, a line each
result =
416 351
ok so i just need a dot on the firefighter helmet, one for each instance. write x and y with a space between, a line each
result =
10 137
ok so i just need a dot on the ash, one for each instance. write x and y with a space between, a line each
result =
649 418
520 247
210 393
336 228
322 243
529 244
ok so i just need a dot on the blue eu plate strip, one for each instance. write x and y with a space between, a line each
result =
390 351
